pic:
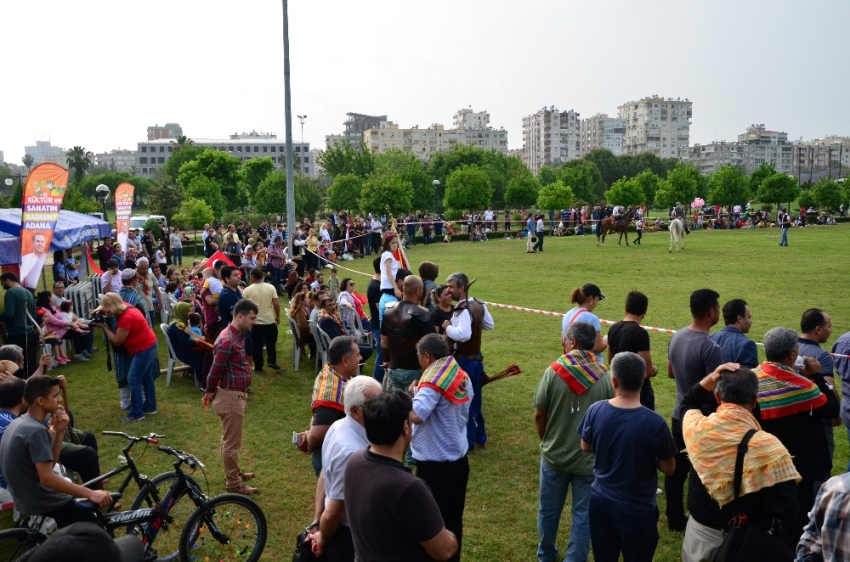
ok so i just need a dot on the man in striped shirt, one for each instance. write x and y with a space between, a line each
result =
228 383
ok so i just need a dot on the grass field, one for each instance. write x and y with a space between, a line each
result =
500 522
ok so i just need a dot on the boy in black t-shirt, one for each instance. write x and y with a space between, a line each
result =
628 335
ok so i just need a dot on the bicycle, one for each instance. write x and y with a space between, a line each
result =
27 534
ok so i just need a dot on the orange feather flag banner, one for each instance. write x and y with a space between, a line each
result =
43 196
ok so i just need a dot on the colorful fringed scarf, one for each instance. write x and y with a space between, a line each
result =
782 392
445 376
327 390
712 445
579 369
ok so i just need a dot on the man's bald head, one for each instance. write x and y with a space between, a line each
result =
412 288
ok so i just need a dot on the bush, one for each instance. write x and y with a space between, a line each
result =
767 207
453 214
153 224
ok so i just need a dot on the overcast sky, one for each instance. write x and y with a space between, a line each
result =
96 73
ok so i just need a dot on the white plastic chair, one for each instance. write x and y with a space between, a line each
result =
323 342
172 358
296 336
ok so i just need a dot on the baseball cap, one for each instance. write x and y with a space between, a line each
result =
592 290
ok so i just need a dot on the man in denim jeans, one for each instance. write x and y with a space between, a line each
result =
568 387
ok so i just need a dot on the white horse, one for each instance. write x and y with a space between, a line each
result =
677 229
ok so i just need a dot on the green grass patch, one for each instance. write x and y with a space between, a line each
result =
500 522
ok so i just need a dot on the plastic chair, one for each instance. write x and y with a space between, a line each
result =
172 357
323 342
363 335
296 337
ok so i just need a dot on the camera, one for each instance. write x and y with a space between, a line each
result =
98 318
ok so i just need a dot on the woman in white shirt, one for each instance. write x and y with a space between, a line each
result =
176 246
389 265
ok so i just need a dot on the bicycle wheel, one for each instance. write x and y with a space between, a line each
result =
16 542
167 538
227 527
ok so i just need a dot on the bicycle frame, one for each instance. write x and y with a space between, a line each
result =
140 479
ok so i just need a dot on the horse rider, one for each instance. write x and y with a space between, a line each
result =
617 213
679 213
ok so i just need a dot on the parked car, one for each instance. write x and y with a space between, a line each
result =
138 221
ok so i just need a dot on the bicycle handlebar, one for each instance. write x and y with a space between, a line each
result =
150 438
190 460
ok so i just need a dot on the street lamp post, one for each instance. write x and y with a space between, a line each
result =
103 192
436 184
302 118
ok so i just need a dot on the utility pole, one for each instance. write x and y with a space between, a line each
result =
302 118
290 179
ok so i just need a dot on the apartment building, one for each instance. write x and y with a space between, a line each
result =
830 151
117 160
549 137
358 123
167 131
152 155
601 131
43 151
756 146
657 125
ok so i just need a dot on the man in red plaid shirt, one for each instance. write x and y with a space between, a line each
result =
228 383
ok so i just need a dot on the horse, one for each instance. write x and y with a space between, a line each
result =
676 230
608 224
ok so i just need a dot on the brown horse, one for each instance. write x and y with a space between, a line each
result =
608 224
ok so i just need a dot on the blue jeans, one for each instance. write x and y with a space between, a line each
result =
178 255
476 433
277 276
619 528
553 496
379 356
784 241
140 380
848 437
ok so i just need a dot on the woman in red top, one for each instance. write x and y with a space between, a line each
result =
139 341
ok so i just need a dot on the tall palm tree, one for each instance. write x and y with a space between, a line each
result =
79 161
182 141
28 161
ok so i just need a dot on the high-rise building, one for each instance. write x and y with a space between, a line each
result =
601 131
117 160
2 157
43 151
167 131
754 147
358 123
316 170
830 152
152 155
549 137
657 125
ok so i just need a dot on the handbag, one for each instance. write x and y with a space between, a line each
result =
534 238
303 549
745 541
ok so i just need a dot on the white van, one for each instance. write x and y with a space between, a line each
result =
138 221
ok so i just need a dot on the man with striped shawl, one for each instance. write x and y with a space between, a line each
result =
568 387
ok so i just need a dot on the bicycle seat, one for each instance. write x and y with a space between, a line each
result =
91 506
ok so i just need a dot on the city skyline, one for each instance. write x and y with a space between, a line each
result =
219 68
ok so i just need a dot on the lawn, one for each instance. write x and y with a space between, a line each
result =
500 522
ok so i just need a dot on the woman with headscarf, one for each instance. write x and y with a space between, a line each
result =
188 347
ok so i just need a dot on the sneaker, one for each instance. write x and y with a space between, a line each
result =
130 419
62 360
93 349
81 358
151 413
86 354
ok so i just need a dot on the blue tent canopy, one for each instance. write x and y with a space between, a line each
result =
72 229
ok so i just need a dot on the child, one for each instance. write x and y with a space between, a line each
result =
580 229
59 357
333 283
68 316
195 323
160 256
212 283
639 230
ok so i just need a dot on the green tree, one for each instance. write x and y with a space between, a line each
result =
345 191
609 166
728 186
181 142
79 161
806 200
223 169
165 199
547 175
253 172
387 193
499 169
308 198
522 191
776 188
627 192
555 196
193 214
271 195
584 178
764 171
28 161
76 201
680 186
827 194
648 183
343 158
410 169
180 156
88 185
16 201
209 190
468 188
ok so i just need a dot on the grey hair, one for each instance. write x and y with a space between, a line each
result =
629 369
140 260
434 345
460 279
738 387
354 394
11 352
584 334
779 343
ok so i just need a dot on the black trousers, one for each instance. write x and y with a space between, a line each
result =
264 333
71 513
29 343
539 244
448 482
674 485
340 548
